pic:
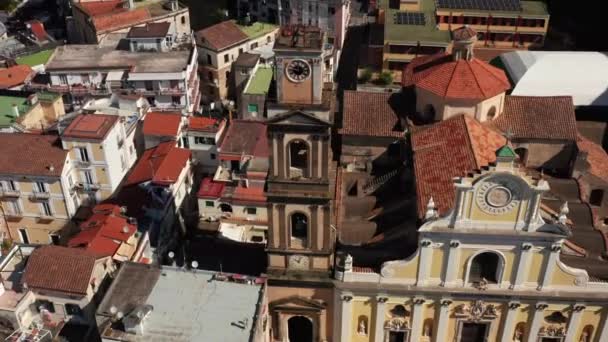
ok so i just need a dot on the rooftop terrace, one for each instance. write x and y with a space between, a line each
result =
426 34
36 58
257 29
6 109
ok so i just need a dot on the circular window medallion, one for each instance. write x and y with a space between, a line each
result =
298 70
498 196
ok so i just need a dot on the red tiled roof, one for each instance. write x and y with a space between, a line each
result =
463 33
455 79
149 30
162 165
246 138
222 35
31 155
95 8
369 114
546 117
103 233
210 189
90 126
596 157
38 30
162 124
120 19
59 269
15 76
203 124
449 149
250 194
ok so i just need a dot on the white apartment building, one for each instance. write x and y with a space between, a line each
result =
203 135
168 80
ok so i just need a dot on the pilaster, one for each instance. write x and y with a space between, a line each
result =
417 319
379 319
537 320
523 265
442 324
508 322
346 316
452 265
574 322
550 266
426 254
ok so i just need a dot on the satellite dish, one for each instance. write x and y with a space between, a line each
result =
195 264
171 255
120 315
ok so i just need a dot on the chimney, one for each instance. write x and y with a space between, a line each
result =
15 110
174 5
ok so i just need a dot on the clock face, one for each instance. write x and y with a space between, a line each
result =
298 70
299 262
498 196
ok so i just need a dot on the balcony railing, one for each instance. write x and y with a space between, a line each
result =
14 216
10 193
87 186
40 195
44 218
82 163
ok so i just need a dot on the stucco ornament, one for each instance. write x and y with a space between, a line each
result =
552 330
498 195
476 311
396 324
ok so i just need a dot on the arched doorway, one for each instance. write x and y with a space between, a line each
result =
300 329
298 159
596 197
522 153
485 266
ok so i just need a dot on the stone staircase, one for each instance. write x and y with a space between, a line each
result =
375 183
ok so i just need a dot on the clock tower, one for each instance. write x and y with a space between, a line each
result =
299 189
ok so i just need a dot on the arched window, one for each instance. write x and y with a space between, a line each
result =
485 267
427 328
298 159
399 311
491 113
299 329
519 333
597 197
299 229
522 153
428 113
587 334
226 208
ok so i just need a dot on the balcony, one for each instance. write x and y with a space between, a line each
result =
10 193
82 163
14 216
40 195
172 91
44 218
87 187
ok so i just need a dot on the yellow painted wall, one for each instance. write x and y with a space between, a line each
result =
591 316
362 309
537 260
38 233
560 277
408 270
437 262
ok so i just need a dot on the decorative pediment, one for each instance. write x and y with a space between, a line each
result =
297 117
297 303
476 311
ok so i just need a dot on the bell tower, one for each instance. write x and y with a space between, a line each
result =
299 184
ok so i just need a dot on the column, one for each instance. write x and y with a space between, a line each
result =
575 320
507 324
379 319
417 319
442 324
281 154
452 267
321 317
346 316
537 320
426 254
522 265
604 332
550 266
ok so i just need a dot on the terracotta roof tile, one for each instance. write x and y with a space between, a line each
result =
210 188
222 35
455 79
550 117
248 194
203 124
90 126
15 76
94 8
31 155
162 165
162 124
449 149
149 30
596 157
59 269
246 137
120 19
103 232
369 114
38 30
464 33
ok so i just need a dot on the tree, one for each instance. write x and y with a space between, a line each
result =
385 78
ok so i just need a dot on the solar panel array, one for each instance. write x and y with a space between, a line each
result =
410 18
484 5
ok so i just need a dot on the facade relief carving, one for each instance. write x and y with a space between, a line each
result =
476 311
552 331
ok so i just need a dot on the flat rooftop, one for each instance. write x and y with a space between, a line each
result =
6 109
70 57
36 58
187 305
260 81
257 29
11 267
300 37
426 34
514 7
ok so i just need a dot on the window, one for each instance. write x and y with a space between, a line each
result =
23 235
596 197
63 79
73 310
83 154
491 113
212 156
149 85
299 228
44 305
134 45
88 177
46 208
131 150
298 159
183 19
209 59
11 185
40 187
251 211
226 58
253 46
54 239
226 208
85 78
176 100
14 207
331 10
123 164
252 108
485 267
151 100
209 204
240 51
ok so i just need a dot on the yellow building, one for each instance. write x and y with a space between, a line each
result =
486 269
34 188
